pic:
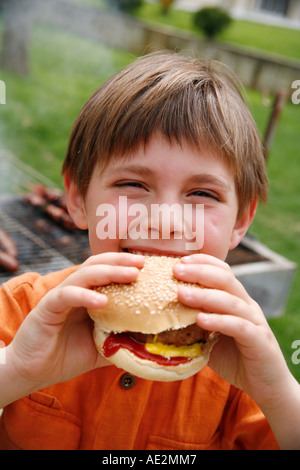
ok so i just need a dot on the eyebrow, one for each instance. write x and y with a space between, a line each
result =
133 169
198 179
207 178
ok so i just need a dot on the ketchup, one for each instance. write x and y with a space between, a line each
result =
122 340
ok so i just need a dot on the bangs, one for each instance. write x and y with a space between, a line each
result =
186 108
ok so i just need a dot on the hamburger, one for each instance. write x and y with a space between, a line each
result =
146 331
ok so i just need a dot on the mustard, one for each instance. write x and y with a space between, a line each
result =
169 350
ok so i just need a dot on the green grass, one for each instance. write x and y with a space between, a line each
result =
272 39
64 71
277 224
41 108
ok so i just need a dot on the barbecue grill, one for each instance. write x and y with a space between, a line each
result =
44 246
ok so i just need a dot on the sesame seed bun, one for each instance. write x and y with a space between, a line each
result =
149 306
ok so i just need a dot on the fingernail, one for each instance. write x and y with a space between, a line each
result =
187 259
203 318
137 256
187 292
180 269
98 298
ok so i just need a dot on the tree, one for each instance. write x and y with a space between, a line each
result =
166 4
212 20
18 18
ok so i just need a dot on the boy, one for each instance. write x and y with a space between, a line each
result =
166 130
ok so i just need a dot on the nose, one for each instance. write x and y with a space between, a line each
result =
166 221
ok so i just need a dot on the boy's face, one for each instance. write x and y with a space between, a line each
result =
165 199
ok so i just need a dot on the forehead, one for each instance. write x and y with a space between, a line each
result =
169 159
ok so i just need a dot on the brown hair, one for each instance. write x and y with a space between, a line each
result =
184 99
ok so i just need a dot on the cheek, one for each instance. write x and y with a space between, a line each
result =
108 225
100 224
102 245
217 234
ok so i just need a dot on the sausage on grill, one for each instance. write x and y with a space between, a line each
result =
8 252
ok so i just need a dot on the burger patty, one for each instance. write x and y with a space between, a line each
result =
182 337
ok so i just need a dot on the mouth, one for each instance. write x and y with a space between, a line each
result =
153 252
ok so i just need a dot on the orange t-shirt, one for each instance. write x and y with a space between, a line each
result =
96 410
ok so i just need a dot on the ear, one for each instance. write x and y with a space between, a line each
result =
75 203
242 224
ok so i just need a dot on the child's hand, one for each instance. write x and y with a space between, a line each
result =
55 343
247 354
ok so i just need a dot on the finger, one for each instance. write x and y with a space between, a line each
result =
245 333
216 301
214 277
90 276
201 258
121 259
62 299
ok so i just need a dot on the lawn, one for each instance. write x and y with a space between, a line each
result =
65 69
277 224
41 108
271 39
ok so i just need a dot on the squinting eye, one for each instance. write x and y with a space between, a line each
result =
131 185
134 184
205 194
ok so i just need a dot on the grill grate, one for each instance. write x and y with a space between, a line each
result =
42 245
243 255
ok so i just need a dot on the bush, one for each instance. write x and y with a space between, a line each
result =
124 5
165 5
212 21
